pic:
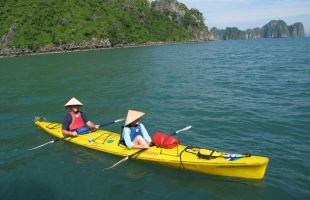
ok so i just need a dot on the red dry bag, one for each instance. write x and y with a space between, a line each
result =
165 141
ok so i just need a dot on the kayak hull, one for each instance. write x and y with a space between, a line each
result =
180 157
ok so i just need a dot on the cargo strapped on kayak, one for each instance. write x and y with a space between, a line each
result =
163 140
208 157
204 154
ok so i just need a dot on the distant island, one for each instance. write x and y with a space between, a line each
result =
32 26
273 29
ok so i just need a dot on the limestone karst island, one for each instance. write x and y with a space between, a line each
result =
31 26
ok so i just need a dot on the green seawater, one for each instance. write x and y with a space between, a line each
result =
239 96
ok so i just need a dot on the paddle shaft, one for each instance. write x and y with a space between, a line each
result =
115 121
101 125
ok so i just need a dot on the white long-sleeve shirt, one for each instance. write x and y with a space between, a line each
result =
126 134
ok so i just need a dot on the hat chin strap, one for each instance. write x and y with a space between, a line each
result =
137 121
134 124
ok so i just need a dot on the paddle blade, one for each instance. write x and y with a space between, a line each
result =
184 129
119 162
50 142
119 120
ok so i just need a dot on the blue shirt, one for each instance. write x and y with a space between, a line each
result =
68 119
127 139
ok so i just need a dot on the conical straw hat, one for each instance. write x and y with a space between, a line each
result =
133 115
73 102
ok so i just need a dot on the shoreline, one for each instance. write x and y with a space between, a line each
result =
59 49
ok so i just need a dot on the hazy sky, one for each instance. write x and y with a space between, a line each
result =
251 13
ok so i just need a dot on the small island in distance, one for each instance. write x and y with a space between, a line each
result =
273 29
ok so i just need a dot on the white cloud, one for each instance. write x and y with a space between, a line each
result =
259 14
236 12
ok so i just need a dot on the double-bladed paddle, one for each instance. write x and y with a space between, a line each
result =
58 139
141 150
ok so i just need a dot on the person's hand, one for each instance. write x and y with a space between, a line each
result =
95 128
74 134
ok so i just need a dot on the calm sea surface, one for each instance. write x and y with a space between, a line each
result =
239 96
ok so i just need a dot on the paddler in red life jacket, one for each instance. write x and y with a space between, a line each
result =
75 122
134 134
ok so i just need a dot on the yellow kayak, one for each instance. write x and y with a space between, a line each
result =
181 157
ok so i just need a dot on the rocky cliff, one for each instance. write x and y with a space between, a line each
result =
191 19
297 30
273 29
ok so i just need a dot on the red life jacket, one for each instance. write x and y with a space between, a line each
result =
77 121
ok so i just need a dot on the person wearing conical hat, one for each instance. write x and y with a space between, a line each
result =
76 122
134 134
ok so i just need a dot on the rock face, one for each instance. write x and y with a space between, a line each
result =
273 29
297 30
191 19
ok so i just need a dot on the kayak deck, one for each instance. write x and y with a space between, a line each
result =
182 157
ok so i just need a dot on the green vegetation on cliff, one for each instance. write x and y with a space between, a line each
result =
33 24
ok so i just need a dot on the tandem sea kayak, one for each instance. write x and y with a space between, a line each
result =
181 157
